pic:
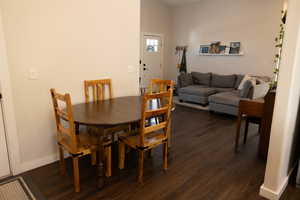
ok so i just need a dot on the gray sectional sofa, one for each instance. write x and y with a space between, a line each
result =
219 91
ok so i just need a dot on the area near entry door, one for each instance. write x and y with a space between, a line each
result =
151 59
4 161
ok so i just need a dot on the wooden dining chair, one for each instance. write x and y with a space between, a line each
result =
149 135
253 111
159 85
99 90
77 145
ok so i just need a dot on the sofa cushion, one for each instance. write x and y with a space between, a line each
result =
198 90
185 80
223 81
201 78
227 98
239 78
223 89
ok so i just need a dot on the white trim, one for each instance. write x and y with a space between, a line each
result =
271 194
8 107
26 166
30 165
162 50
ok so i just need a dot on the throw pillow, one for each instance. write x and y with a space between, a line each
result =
239 78
244 92
201 78
246 78
261 90
185 80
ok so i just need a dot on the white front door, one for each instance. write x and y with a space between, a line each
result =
4 162
151 59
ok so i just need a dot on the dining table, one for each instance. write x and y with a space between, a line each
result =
110 113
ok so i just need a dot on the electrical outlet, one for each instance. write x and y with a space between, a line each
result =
33 74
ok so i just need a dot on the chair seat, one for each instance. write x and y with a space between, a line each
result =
151 140
86 143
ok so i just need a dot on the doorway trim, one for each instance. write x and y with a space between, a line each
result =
162 51
8 108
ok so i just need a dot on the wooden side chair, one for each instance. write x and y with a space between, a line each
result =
151 135
253 111
77 145
96 90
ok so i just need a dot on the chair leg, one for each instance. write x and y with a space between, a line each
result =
121 155
108 164
94 158
169 129
238 132
150 153
76 174
246 131
141 166
165 155
259 128
62 164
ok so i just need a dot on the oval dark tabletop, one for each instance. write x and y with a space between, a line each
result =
112 112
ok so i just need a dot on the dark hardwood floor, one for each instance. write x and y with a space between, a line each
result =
202 165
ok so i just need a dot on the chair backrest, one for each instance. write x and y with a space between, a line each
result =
65 113
98 89
158 85
151 110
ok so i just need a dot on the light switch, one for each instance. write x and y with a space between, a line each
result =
33 74
131 69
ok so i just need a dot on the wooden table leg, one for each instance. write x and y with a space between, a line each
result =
238 132
246 131
101 170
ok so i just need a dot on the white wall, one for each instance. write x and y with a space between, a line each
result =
66 42
285 125
156 18
254 23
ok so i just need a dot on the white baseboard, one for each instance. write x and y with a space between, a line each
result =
26 166
271 194
30 165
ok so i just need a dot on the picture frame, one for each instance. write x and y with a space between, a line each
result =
215 47
222 49
235 47
204 49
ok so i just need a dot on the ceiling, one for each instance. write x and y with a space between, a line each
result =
179 2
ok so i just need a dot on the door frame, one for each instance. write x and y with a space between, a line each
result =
142 53
8 108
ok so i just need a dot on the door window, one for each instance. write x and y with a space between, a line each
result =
152 45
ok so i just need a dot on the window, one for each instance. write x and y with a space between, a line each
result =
152 45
